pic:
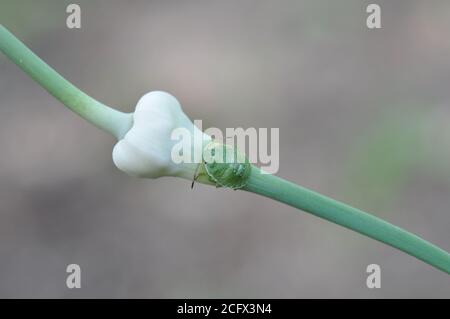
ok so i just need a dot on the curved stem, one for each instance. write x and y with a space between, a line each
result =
110 120
347 216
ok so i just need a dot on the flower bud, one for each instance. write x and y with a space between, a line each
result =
146 149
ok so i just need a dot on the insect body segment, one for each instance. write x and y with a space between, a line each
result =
225 166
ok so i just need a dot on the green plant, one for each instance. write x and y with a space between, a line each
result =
133 155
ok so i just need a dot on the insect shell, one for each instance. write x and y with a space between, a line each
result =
225 166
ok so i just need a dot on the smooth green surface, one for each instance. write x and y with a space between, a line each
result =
347 216
110 120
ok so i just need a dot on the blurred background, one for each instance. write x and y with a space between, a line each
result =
363 115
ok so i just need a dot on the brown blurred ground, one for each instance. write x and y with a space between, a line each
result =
363 117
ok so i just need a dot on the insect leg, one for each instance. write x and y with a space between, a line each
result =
195 176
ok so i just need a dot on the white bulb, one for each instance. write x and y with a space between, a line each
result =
145 150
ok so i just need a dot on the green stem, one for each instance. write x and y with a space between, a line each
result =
110 120
347 216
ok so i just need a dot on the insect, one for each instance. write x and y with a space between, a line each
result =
225 166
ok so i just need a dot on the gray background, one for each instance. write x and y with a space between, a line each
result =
363 116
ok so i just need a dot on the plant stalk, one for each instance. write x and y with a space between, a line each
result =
108 119
339 213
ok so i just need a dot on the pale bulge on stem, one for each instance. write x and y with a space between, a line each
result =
146 149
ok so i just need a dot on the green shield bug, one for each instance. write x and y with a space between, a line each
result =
225 166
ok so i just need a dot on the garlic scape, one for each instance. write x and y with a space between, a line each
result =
145 149
160 130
